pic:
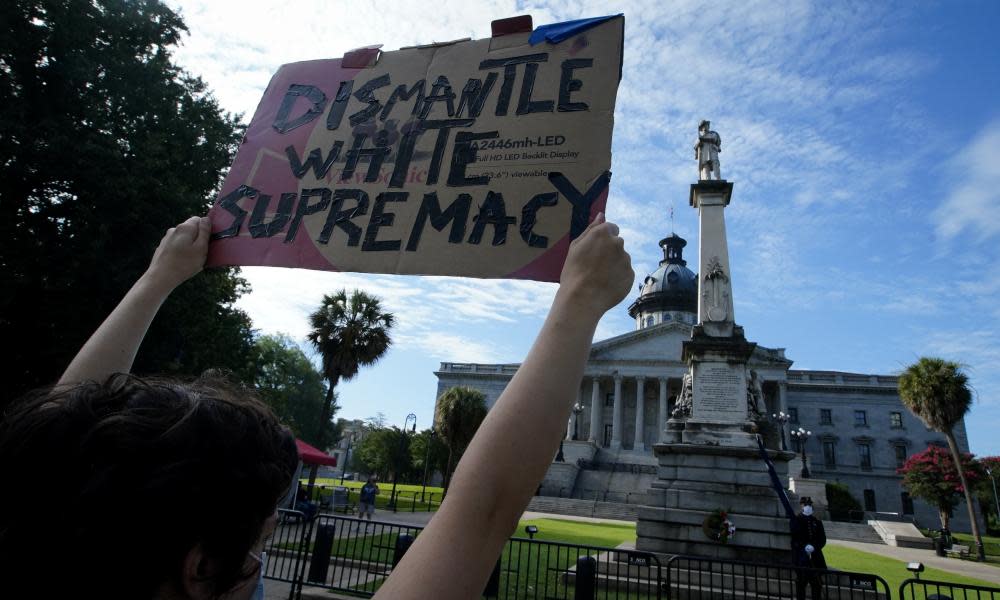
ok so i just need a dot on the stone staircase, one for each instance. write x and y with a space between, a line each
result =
583 508
852 532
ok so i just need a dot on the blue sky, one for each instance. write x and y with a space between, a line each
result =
863 140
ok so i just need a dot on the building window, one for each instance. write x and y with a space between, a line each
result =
865 453
666 316
825 416
608 433
649 321
609 399
870 500
907 503
793 415
830 453
896 420
900 450
860 418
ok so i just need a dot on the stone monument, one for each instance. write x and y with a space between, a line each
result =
711 459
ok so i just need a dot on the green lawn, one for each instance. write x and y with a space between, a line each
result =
893 571
579 532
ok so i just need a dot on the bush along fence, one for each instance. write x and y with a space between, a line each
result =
355 556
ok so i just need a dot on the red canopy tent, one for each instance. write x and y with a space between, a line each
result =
314 456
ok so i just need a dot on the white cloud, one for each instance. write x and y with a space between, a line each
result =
975 197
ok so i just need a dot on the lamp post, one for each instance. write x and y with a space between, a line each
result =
427 457
996 500
782 418
802 435
395 471
577 409
347 457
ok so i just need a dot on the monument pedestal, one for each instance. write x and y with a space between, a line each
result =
693 481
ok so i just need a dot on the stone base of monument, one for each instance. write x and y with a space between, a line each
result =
695 480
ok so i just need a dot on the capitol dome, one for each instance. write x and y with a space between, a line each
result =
670 293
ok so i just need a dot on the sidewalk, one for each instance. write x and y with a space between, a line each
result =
967 568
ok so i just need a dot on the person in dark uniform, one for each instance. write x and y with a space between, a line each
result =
808 539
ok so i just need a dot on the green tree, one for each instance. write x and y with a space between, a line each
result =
289 383
427 444
104 144
386 452
840 501
931 475
457 416
349 333
937 392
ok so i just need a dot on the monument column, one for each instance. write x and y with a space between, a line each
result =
661 423
639 443
712 454
616 416
595 412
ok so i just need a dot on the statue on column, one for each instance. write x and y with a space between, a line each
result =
706 151
755 396
684 400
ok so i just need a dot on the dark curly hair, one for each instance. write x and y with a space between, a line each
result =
107 486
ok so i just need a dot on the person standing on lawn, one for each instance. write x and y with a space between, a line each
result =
366 505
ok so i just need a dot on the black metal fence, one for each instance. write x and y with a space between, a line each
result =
346 499
355 556
926 589
697 578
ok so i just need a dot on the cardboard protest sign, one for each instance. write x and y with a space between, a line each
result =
479 158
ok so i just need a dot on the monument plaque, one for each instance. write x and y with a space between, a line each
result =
719 392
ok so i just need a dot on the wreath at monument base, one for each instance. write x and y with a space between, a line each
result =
717 526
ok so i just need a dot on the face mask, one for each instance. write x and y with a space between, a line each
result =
258 593
807 510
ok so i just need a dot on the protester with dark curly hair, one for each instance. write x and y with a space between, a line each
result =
156 489
150 488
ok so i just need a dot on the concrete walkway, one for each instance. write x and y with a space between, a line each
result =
967 568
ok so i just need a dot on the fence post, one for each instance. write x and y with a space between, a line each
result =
493 583
403 543
586 578
323 547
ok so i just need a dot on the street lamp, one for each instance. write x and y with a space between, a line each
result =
347 457
782 418
802 435
427 457
406 422
996 501
577 409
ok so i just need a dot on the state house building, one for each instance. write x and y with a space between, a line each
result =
861 432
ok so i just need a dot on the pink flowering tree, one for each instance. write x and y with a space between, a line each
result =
931 476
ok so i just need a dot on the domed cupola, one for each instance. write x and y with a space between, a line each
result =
670 293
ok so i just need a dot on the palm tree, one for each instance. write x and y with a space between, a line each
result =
457 416
348 333
937 392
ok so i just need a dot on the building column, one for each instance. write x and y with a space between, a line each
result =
639 445
616 416
595 413
661 425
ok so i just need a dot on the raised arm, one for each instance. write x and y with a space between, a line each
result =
514 446
112 348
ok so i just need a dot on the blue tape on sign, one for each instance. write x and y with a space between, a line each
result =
557 32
